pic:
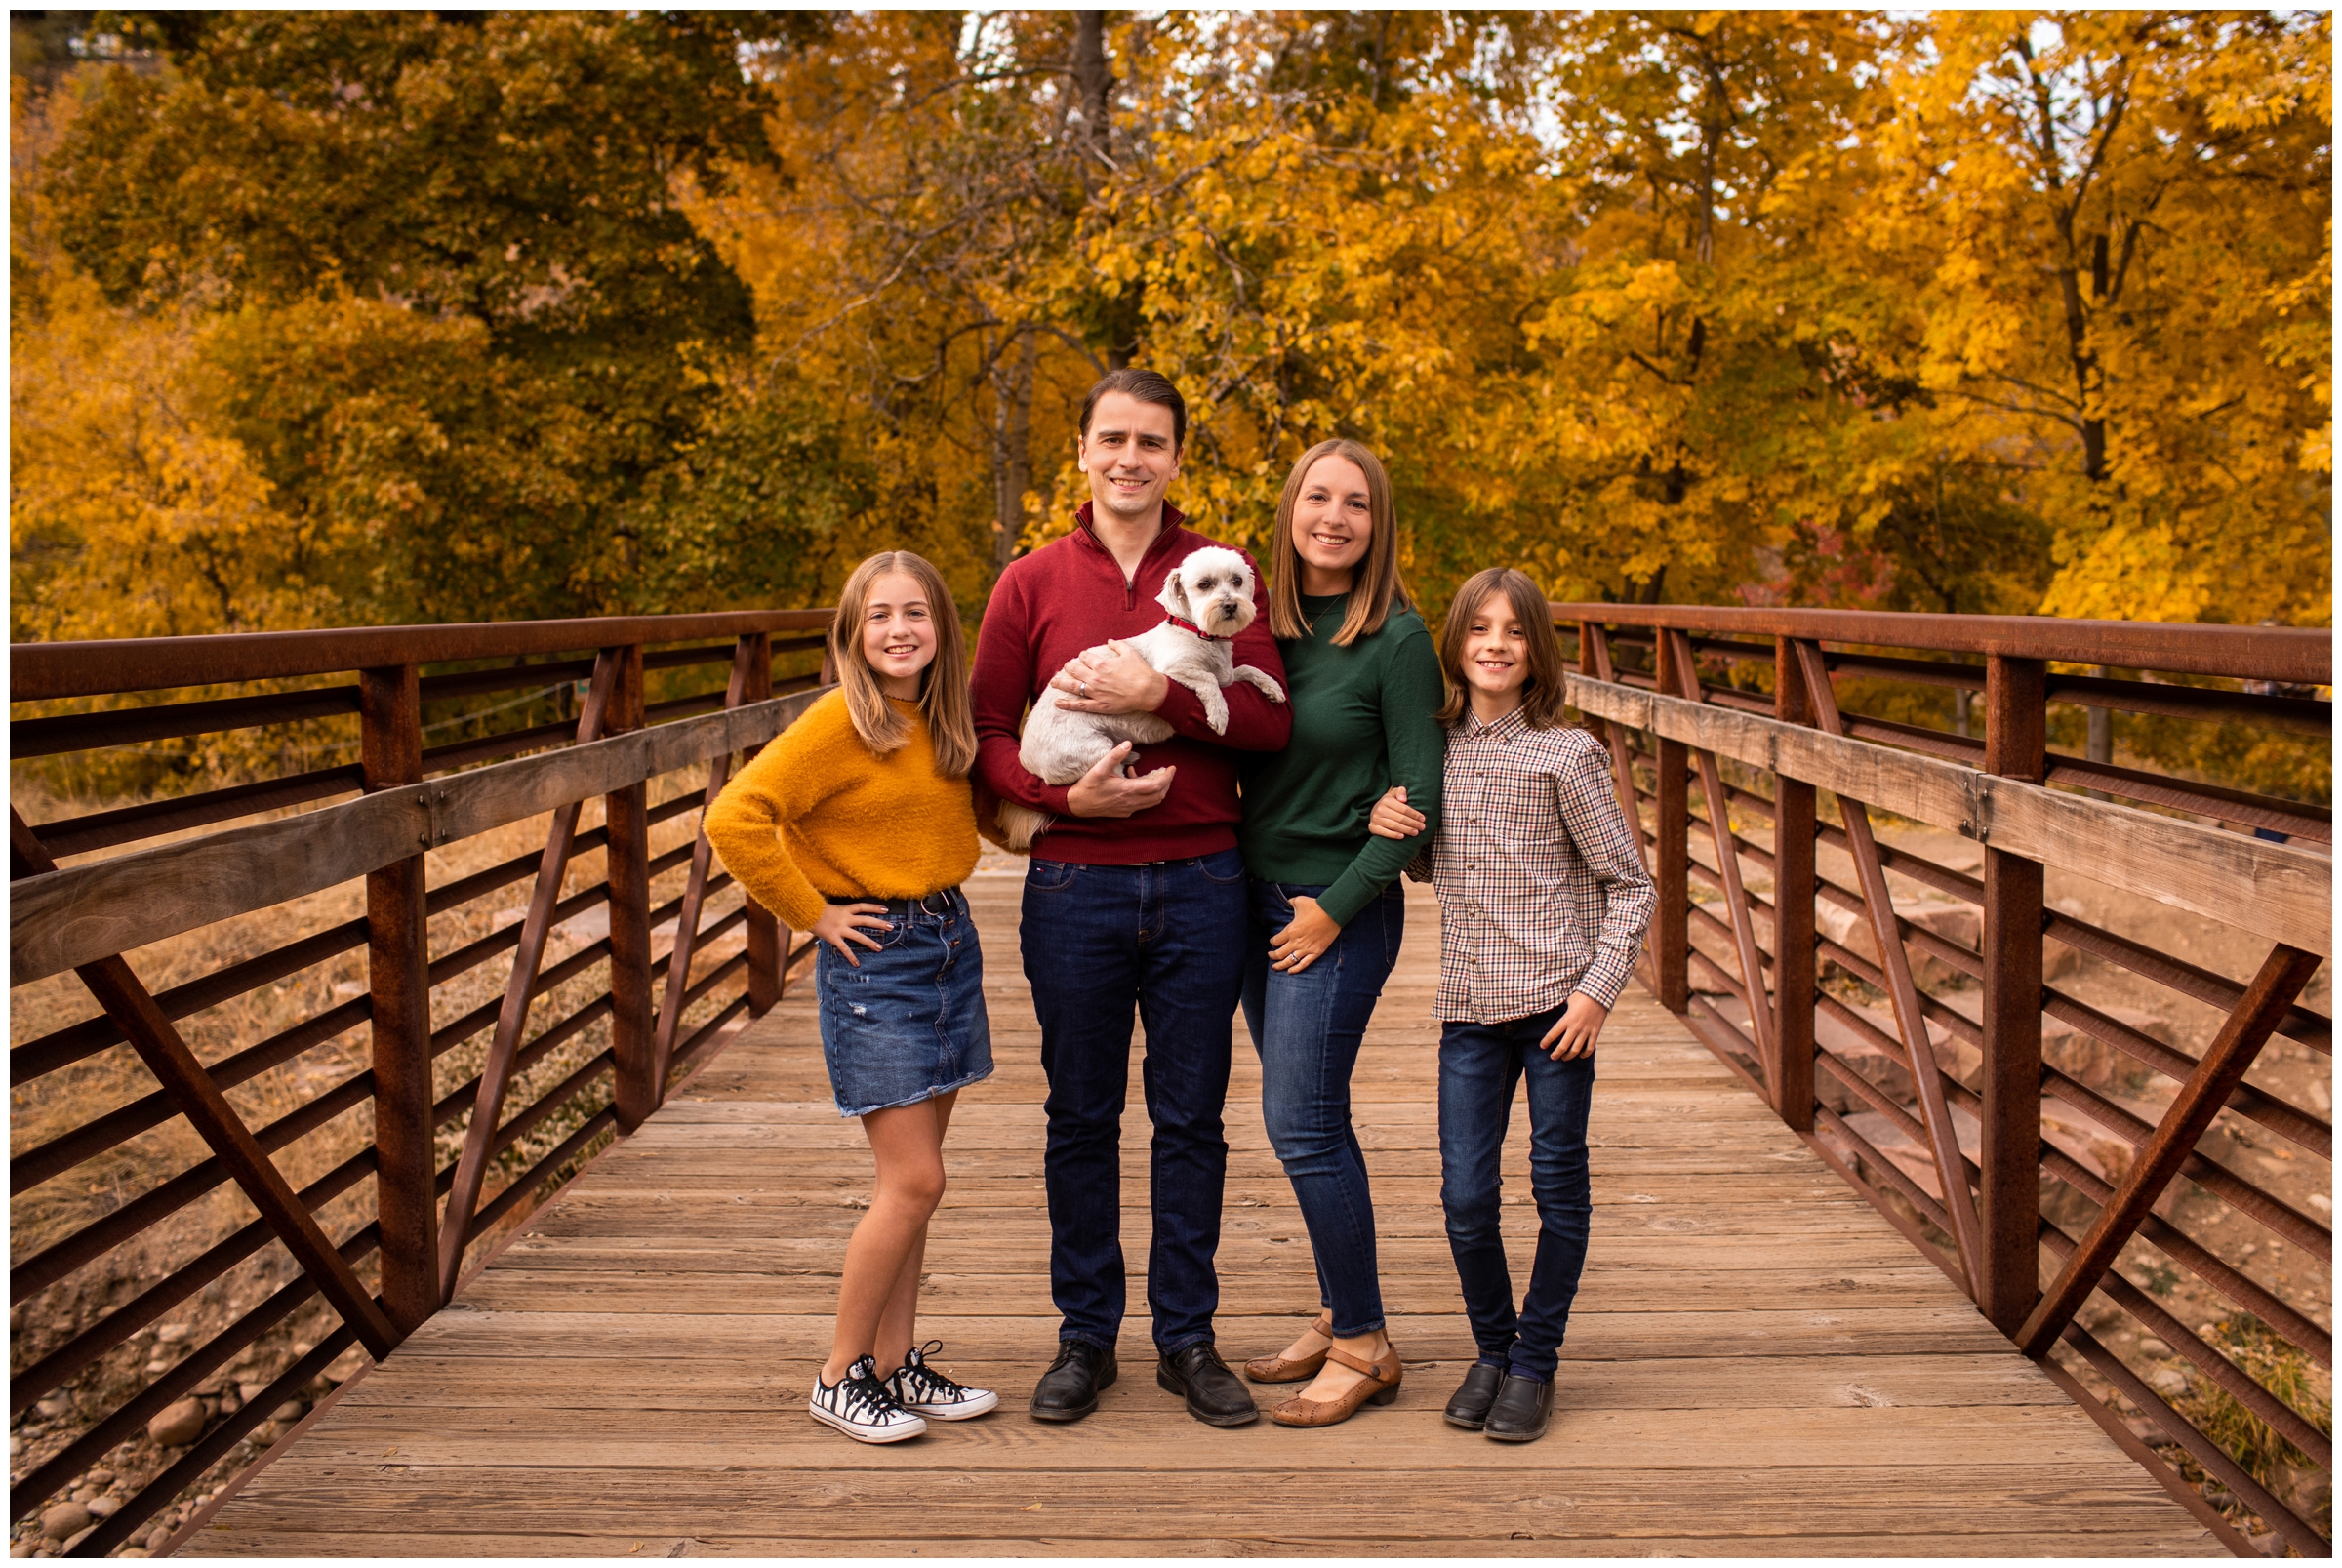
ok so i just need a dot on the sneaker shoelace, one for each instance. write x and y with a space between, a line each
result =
937 1387
862 1389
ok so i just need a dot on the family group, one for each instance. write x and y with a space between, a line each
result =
1239 847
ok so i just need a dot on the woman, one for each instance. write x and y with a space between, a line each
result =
1326 914
857 823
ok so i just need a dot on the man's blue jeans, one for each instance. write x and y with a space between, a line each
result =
1168 938
1480 1064
1306 1028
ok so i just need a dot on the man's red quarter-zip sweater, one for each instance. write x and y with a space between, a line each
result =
1069 597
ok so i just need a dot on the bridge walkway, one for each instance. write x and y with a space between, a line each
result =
1759 1365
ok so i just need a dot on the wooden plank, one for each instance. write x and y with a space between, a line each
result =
2275 890
1756 1363
69 918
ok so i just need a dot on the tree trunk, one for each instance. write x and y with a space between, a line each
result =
1012 448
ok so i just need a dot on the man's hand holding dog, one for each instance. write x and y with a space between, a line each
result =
1110 680
1104 791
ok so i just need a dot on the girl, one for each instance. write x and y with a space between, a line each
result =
857 823
1326 917
1543 903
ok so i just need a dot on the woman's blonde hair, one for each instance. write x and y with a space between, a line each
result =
1375 587
943 684
1541 700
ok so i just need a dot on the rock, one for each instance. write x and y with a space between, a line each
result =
173 1333
2089 1059
156 1537
133 1551
181 1424
292 1410
76 1539
1959 923
2151 1345
56 1404
100 1477
82 1494
231 1404
345 1366
104 1508
249 1391
64 1519
19 1548
2169 1381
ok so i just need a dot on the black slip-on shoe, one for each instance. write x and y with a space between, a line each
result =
1520 1410
1069 1391
1469 1408
1214 1397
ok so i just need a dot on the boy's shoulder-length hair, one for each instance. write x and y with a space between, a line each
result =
1541 701
1376 590
942 685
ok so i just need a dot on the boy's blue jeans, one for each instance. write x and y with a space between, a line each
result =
1480 1064
1169 940
1306 1028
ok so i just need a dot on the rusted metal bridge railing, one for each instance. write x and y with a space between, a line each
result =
2000 1199
401 1256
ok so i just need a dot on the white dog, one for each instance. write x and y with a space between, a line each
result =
1207 599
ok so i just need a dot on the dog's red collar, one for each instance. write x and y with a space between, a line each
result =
1189 625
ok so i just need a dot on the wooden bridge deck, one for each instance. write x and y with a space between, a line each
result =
1759 1365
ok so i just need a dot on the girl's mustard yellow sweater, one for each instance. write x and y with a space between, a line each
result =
816 813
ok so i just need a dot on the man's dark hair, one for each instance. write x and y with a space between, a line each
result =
1148 386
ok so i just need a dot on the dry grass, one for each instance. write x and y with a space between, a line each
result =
74 1096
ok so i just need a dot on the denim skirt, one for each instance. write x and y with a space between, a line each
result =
907 1023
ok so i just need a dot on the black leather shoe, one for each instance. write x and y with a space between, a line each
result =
1213 1395
1069 1391
1519 1413
1469 1408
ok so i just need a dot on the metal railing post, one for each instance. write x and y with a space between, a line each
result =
398 978
1793 904
768 944
1671 925
2015 746
625 813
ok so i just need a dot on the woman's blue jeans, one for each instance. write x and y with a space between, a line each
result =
1480 1066
1306 1028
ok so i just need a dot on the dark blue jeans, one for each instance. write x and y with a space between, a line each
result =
1168 938
1480 1064
1306 1028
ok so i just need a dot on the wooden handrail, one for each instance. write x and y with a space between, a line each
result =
2296 655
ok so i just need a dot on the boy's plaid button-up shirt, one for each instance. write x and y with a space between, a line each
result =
1541 882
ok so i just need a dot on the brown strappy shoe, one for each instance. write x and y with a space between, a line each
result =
1276 1369
1380 1388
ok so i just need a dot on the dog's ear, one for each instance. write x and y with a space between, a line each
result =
1174 597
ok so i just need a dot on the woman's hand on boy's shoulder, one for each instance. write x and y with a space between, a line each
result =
1392 816
1575 1031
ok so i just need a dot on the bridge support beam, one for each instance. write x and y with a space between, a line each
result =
625 812
1793 904
2015 746
1670 940
398 976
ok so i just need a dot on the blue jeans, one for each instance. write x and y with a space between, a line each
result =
1168 938
1306 1028
1480 1067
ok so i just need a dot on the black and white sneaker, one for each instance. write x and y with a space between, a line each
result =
918 1387
861 1406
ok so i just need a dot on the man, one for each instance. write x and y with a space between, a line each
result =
1135 897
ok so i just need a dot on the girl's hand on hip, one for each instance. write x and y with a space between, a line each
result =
1392 816
1110 680
843 922
1304 940
1574 1034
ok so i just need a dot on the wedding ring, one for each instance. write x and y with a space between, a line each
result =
1083 688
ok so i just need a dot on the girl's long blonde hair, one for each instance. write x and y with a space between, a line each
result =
1375 588
943 684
